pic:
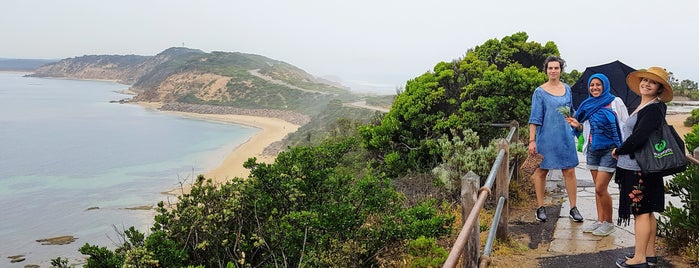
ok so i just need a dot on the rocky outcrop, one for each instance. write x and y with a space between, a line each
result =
59 240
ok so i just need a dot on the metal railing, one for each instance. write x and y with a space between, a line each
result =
467 244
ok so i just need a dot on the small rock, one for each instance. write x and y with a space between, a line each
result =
20 259
59 240
145 207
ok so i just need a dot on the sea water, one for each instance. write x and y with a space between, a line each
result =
72 163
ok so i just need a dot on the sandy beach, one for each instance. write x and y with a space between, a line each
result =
677 121
271 130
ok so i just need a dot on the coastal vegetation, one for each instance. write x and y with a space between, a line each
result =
331 197
352 187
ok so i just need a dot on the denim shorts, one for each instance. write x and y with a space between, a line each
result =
601 160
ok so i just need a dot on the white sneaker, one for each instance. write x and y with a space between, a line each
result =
605 229
592 228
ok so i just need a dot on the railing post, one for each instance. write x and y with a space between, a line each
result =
515 137
470 183
502 189
515 140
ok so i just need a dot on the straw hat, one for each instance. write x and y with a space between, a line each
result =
658 74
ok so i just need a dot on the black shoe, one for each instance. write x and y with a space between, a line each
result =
575 215
541 214
622 263
652 261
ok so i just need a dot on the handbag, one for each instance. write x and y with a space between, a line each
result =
663 153
531 164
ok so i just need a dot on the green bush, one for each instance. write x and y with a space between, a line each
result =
424 252
691 139
680 222
101 257
692 119
307 208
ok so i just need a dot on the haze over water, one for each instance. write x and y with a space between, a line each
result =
64 149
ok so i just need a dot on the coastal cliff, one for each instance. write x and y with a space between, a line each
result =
190 76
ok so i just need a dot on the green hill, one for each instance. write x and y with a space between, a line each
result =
218 78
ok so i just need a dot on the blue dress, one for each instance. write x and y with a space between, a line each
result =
554 136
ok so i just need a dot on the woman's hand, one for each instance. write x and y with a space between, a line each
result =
531 149
616 156
574 123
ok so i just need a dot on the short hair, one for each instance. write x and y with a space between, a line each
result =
558 59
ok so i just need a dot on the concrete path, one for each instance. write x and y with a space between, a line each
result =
572 248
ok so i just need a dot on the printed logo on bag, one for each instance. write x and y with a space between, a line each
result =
661 149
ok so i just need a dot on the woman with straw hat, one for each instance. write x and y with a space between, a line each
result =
642 195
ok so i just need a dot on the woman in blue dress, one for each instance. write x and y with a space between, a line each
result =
551 136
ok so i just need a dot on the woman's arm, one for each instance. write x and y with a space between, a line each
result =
531 147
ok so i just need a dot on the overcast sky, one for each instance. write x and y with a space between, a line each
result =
377 42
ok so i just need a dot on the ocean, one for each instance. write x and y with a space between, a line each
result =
72 163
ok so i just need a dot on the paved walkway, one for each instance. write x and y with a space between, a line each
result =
570 247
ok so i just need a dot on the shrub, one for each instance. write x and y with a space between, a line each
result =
425 252
101 257
681 223
693 119
691 139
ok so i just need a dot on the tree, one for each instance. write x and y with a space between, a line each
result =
492 83
308 208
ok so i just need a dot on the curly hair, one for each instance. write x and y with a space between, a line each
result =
554 58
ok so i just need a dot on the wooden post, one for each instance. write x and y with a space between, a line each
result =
502 189
470 183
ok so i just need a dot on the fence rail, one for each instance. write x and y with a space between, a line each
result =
472 200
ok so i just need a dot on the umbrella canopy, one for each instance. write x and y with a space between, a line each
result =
616 71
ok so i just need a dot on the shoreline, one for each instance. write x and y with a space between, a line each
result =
677 121
271 130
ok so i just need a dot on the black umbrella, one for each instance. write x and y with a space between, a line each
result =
616 71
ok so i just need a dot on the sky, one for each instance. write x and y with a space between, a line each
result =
371 45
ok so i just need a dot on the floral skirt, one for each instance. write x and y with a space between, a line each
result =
638 194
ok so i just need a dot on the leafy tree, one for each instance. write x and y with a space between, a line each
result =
492 83
571 78
59 263
691 139
139 257
307 208
165 250
681 221
101 257
684 88
692 119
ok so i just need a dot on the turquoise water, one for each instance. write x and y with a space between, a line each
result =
65 148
